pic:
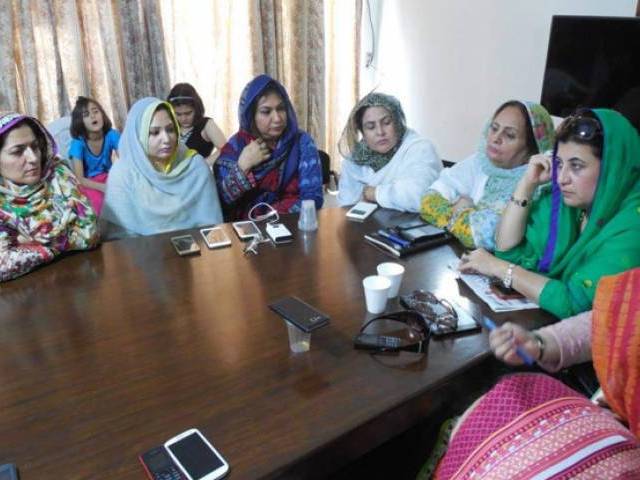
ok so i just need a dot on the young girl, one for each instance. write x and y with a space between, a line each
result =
197 132
93 148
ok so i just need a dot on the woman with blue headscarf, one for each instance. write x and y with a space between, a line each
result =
157 185
270 159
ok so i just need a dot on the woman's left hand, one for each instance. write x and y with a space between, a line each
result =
462 203
369 194
481 261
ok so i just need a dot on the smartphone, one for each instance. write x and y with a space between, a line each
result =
185 245
215 237
246 230
159 465
301 314
361 210
502 292
196 456
421 232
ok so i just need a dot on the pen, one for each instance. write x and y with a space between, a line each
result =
521 353
394 238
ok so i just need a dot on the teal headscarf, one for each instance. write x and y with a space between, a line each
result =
362 154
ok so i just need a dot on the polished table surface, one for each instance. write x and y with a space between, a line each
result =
108 353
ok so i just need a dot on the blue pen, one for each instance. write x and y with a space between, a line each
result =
400 241
521 353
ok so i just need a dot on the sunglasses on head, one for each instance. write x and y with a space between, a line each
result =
585 128
410 330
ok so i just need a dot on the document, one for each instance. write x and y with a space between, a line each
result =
480 286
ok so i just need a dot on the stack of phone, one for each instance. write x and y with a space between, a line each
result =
188 456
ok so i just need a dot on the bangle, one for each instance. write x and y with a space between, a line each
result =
519 202
508 277
541 346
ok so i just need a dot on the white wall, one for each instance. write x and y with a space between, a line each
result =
452 62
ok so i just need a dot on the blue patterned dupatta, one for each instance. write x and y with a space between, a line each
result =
282 181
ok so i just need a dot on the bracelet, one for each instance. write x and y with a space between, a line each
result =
541 346
508 278
521 203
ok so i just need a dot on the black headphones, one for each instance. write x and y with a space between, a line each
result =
416 338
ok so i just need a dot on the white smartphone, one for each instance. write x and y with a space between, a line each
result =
361 210
246 230
185 245
196 456
215 237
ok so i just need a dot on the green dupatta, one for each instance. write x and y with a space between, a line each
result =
610 242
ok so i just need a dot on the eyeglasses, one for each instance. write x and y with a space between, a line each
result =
441 317
405 330
585 128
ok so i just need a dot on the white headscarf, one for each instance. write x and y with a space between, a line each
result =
143 201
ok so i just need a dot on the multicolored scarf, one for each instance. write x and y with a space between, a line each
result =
616 344
40 221
362 154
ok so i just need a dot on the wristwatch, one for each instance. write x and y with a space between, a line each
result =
508 277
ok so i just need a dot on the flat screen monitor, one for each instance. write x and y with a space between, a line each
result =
593 62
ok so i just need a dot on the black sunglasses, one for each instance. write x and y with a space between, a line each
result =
416 333
439 314
585 128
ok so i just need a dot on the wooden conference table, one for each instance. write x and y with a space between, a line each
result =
106 354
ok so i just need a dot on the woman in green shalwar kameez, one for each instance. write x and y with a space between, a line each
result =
582 225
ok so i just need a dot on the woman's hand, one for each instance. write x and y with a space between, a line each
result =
481 261
462 203
505 339
253 154
369 194
539 170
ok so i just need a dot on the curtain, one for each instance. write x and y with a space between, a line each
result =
342 85
55 50
119 51
288 44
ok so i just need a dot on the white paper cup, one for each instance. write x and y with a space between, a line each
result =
394 272
299 340
376 289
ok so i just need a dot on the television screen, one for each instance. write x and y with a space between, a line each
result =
593 62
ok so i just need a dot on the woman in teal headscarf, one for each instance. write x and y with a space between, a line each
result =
157 185
555 245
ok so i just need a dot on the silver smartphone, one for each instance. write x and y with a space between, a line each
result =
215 237
185 245
246 230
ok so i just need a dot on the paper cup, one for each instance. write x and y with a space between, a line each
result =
376 289
394 272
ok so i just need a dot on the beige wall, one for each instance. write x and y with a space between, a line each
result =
452 62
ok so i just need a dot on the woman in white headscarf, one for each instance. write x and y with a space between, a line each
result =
157 185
